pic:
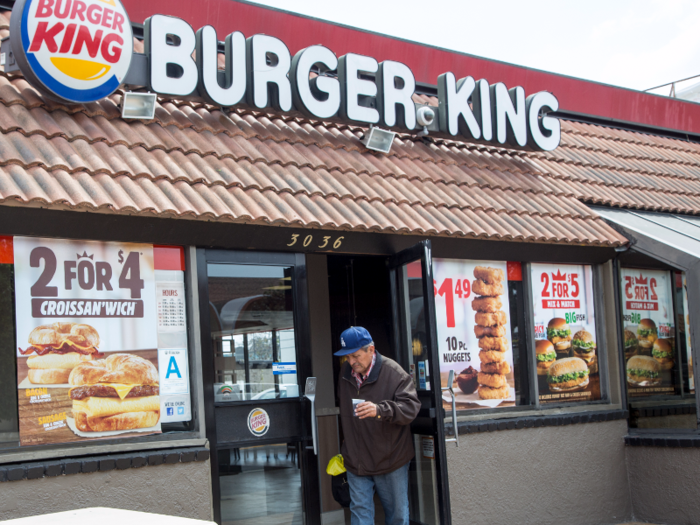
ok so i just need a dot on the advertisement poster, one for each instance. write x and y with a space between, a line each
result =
565 334
649 332
474 332
87 337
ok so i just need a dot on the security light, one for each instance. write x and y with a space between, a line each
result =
138 105
378 139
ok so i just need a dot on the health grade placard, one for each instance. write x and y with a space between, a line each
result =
87 359
474 334
565 334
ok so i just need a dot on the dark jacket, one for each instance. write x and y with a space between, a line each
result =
378 445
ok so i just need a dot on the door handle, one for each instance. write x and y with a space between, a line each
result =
450 381
310 394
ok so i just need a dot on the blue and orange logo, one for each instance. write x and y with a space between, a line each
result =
78 50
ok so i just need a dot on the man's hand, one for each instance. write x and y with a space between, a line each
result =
366 409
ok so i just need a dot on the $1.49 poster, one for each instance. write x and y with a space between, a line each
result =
565 335
474 331
87 358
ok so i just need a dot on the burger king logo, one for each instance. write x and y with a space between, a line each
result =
73 50
258 422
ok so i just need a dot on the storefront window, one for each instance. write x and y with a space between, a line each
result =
479 311
658 363
9 423
252 330
566 341
93 341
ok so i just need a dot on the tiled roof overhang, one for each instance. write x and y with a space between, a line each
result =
199 162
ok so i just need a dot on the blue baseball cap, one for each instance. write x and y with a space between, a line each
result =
352 339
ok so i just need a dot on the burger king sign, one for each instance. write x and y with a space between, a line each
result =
258 422
73 50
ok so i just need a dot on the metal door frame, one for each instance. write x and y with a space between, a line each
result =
308 461
423 252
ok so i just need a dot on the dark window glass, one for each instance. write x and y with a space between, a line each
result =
252 330
658 364
261 485
9 429
480 326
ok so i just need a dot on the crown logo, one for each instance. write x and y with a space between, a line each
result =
640 279
558 276
85 255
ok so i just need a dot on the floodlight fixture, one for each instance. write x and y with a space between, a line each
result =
138 105
378 139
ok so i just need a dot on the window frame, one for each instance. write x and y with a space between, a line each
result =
11 452
663 401
534 407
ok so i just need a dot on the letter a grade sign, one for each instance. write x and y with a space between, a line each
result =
72 50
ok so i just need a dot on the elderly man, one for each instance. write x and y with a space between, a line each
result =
378 445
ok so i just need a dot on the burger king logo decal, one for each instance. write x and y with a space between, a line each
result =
75 50
258 422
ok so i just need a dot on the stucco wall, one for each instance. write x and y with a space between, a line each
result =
182 489
568 474
665 483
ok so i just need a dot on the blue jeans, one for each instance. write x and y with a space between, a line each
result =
392 489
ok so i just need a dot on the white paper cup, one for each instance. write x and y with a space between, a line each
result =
356 402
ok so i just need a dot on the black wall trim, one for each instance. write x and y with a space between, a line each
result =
61 224
669 440
492 425
87 465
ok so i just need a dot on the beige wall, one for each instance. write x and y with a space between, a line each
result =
182 489
548 475
665 483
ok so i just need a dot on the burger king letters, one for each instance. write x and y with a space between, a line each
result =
79 51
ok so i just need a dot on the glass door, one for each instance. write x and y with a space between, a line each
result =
264 469
415 341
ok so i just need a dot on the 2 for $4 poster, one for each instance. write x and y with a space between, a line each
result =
87 361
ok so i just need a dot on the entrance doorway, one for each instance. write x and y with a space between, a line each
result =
271 321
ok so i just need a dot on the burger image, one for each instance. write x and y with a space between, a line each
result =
116 393
59 348
546 355
630 344
568 374
559 333
662 351
643 370
584 346
646 335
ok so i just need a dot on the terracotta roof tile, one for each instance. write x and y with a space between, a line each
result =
199 162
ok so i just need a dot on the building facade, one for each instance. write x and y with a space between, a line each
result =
553 350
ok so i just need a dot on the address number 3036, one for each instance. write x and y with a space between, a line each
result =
323 242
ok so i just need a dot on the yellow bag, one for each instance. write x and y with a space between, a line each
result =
336 465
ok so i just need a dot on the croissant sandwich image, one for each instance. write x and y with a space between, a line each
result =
59 348
116 393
